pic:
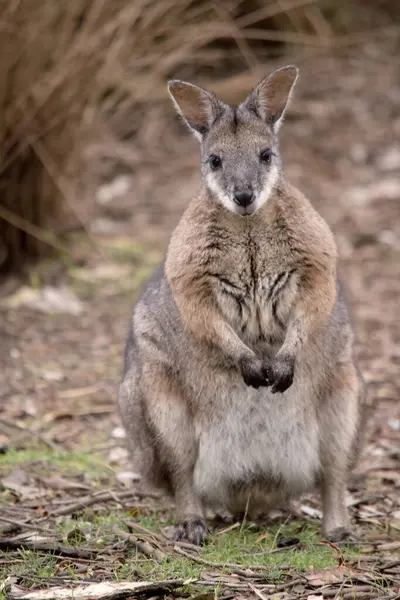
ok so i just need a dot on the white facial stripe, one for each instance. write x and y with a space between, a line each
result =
271 183
219 192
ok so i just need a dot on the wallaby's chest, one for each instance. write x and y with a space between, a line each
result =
256 289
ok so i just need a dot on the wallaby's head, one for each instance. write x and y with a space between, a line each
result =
241 164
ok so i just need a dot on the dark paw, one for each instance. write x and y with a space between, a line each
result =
342 535
254 372
280 374
191 530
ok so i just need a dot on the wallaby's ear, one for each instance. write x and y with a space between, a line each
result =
271 96
199 108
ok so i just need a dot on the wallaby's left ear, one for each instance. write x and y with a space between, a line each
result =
199 108
271 96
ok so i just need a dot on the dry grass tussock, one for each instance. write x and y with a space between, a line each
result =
82 83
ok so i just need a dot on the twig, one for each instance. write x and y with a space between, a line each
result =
160 537
22 525
245 585
230 528
33 230
143 546
245 513
280 587
101 591
336 548
84 502
234 568
92 499
274 542
69 551
361 591
133 525
390 565
266 12
257 592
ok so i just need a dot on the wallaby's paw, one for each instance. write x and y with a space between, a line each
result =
280 374
254 372
342 536
191 530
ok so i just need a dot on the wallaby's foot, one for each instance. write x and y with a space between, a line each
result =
192 529
342 535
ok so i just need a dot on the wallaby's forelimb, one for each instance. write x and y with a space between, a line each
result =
194 298
316 298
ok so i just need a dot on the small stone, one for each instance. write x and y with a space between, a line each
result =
117 454
390 161
358 153
128 477
115 189
101 226
394 424
388 237
58 300
53 376
118 433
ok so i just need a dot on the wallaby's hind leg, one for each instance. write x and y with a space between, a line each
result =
139 440
169 415
340 423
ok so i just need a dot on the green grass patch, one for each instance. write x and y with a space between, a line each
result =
240 546
125 250
45 461
32 569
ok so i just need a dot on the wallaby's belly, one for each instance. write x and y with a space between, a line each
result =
263 444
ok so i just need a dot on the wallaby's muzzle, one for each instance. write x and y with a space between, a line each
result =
244 198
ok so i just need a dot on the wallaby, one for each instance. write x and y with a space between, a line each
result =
240 389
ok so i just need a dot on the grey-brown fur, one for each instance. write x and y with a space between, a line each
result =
240 388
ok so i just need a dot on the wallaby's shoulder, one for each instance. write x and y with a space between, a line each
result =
201 235
304 223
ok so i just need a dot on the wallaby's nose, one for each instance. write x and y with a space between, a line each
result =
244 198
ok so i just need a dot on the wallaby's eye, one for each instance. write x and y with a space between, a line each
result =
266 156
215 162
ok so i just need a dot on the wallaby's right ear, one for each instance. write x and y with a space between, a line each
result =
271 96
199 108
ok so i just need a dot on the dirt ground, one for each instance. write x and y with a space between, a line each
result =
62 334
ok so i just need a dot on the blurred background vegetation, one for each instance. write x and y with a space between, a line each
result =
83 93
